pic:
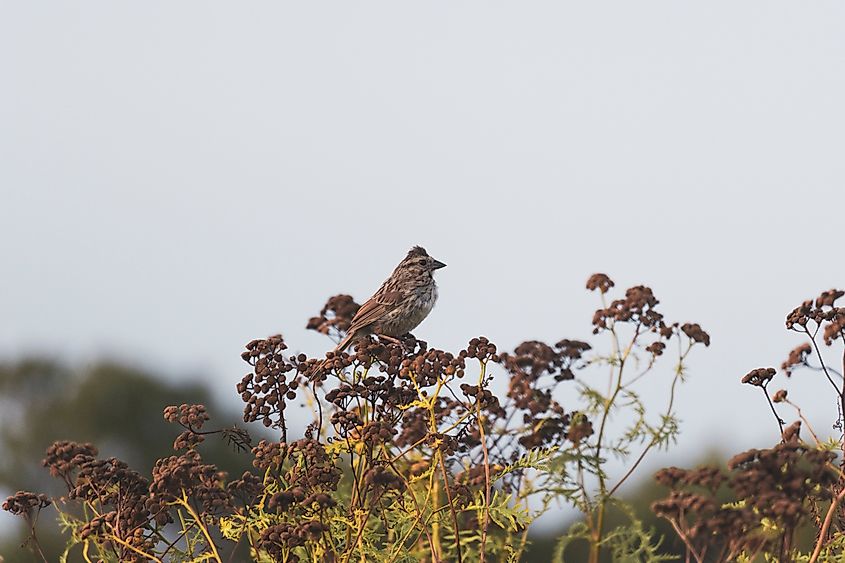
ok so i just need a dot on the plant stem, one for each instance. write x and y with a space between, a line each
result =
826 526
130 547
451 505
651 443
184 502
486 522
603 497
772 406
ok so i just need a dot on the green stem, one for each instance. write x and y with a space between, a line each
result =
486 523
596 530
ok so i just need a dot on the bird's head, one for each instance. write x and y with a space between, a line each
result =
419 260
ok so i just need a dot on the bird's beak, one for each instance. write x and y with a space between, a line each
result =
437 264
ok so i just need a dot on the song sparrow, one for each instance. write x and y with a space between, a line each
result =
402 302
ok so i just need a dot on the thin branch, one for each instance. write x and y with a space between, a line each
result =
772 406
826 526
687 543
451 503
804 420
480 421
821 359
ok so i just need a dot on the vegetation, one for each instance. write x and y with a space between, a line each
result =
769 499
412 456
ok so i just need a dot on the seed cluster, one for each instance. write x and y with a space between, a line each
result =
695 333
638 307
335 317
112 484
797 357
64 457
269 454
190 417
273 380
24 503
127 509
175 476
580 428
823 312
778 481
777 484
279 539
759 377
246 489
315 469
431 366
381 479
601 282
535 369
533 359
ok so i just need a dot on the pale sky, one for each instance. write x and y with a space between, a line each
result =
181 177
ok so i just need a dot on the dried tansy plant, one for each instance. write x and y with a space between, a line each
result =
783 503
412 453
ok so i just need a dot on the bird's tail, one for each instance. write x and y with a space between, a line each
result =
344 344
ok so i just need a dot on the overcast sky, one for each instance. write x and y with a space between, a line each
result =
180 177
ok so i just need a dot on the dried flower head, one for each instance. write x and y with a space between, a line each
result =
580 428
791 432
800 316
336 316
268 454
64 457
23 503
656 348
835 328
601 282
828 298
273 381
797 357
176 476
694 332
189 416
637 307
759 377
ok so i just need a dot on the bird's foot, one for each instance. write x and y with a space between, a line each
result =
385 338
407 342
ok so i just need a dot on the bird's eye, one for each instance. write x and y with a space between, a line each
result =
421 262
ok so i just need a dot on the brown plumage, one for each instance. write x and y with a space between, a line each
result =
402 302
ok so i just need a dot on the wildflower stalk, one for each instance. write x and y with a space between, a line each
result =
480 419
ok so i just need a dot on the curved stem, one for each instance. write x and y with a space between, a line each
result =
184 503
826 526
479 419
419 515
653 440
85 546
690 549
451 505
772 406
821 359
131 547
351 547
608 406
805 421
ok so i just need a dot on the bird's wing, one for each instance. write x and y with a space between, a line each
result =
374 309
